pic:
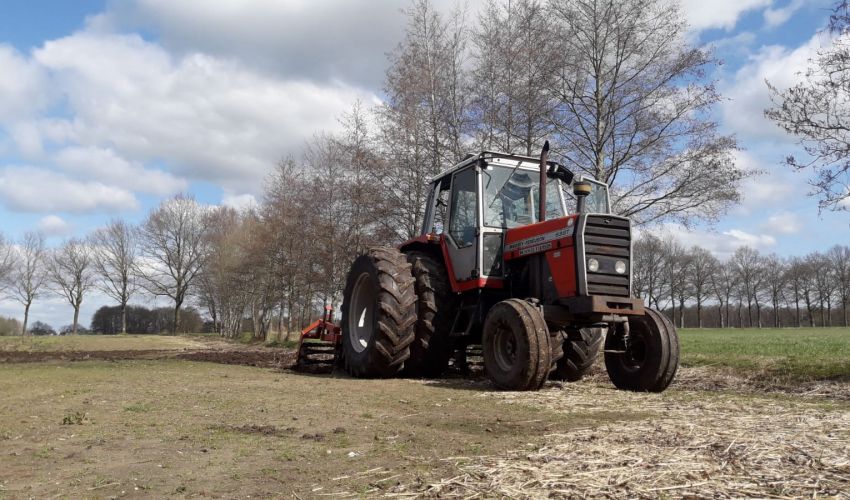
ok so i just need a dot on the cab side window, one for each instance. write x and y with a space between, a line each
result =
441 206
464 208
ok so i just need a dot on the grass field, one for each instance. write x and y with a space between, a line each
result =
152 427
793 354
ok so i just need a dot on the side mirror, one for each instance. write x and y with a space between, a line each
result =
558 171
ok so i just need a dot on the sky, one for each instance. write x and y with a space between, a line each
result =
108 107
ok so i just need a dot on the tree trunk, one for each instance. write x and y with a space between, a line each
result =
799 318
681 313
176 326
76 319
699 313
26 319
124 317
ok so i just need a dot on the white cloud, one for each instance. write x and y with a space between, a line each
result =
53 225
723 14
30 189
719 243
239 202
105 165
22 86
774 17
203 117
748 95
783 222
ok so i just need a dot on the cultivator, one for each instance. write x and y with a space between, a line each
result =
318 348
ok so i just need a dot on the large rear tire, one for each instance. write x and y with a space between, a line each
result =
650 361
515 346
436 306
378 314
578 354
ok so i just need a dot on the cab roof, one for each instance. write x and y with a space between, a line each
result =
491 157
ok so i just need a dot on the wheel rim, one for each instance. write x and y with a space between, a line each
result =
504 348
361 315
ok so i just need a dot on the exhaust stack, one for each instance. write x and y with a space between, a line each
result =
544 161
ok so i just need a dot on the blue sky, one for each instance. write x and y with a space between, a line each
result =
106 108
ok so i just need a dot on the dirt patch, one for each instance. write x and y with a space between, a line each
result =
264 430
253 356
264 358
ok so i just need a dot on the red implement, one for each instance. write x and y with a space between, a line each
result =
318 347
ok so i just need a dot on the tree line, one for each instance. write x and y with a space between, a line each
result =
745 289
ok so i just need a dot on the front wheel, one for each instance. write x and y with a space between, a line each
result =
515 346
648 360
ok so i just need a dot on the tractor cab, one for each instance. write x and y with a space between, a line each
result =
472 206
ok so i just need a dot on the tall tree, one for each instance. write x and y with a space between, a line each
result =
817 111
635 109
648 274
173 250
775 275
115 248
723 284
703 266
30 274
70 271
746 261
7 262
424 118
839 259
512 76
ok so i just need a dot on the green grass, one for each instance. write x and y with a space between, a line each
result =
791 353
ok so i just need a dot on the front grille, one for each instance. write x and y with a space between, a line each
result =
608 239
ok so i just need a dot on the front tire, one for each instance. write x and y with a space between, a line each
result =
515 346
378 314
650 361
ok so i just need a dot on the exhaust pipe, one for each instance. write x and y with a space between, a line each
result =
581 189
544 160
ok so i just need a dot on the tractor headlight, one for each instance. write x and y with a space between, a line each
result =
620 267
592 265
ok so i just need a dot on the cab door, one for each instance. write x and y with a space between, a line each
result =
463 232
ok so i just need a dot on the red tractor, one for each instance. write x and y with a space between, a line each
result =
516 255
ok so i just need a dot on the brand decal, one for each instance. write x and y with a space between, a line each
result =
537 240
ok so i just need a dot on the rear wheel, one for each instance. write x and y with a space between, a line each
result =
436 307
578 354
515 346
378 314
650 360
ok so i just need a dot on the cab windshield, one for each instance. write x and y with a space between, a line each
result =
511 197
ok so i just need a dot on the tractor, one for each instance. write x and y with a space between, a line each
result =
517 255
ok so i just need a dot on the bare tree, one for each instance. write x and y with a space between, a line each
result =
824 284
71 273
511 77
817 111
775 283
746 261
173 250
839 259
30 275
648 268
115 248
7 262
424 118
635 107
703 267
723 284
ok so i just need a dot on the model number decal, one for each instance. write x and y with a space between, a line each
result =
537 240
537 248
